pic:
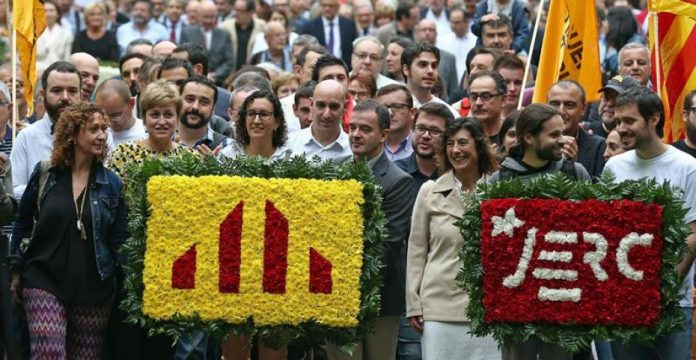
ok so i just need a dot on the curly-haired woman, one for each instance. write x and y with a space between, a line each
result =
72 219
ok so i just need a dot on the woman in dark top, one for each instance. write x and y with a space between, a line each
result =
95 39
72 219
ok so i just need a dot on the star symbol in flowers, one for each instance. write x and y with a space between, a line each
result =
506 224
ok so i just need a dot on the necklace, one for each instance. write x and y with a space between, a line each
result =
78 211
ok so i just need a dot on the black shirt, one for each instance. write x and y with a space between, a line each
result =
681 145
243 37
410 166
105 48
58 260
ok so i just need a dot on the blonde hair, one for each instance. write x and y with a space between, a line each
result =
282 79
96 4
160 93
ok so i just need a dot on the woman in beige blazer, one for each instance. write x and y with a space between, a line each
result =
435 305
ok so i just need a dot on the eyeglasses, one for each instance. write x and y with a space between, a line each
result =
483 96
397 106
363 56
264 115
421 130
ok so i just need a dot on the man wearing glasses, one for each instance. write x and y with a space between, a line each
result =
688 145
487 90
367 60
399 101
334 32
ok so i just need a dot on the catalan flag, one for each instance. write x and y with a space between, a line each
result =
570 49
673 66
29 21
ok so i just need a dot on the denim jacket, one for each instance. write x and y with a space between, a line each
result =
109 217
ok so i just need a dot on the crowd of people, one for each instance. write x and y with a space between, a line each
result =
426 93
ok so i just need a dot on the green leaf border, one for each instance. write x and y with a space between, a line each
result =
193 165
577 337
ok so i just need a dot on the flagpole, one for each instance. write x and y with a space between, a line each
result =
656 44
529 55
13 94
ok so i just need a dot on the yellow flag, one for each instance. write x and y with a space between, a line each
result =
29 21
570 49
678 7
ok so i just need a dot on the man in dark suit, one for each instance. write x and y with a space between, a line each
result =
334 32
407 15
369 127
216 41
569 98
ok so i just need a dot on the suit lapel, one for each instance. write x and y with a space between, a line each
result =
449 202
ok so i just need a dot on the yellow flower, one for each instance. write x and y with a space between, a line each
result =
188 211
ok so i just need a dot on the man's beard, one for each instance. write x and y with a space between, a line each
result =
54 111
548 153
691 132
185 121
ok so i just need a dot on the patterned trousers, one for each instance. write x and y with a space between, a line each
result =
59 331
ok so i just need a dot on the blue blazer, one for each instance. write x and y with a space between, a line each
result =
348 33
520 24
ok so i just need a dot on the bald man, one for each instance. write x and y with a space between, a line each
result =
88 67
163 48
114 97
216 41
324 137
277 53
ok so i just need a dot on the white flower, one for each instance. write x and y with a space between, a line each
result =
507 224
629 241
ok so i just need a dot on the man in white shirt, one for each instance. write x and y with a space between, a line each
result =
114 97
324 138
639 116
60 88
460 41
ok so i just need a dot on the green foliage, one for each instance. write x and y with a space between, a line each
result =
295 168
575 337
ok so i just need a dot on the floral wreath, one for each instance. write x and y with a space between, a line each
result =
570 328
134 250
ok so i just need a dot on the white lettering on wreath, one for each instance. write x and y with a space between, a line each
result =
509 222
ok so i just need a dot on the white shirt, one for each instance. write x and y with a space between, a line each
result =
208 35
33 144
337 36
441 22
235 149
675 166
303 143
54 44
459 47
291 120
136 132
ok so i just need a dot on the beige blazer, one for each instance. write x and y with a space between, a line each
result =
229 26
433 253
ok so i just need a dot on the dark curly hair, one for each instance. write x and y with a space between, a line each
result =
487 158
280 135
73 118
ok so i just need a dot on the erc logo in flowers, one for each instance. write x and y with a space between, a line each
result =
283 251
587 262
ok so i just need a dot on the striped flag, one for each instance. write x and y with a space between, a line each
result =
29 20
675 37
570 51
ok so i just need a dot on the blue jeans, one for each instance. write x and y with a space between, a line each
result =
408 346
673 346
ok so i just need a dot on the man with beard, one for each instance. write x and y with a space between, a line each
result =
128 66
688 145
142 26
568 97
399 101
539 150
639 119
199 94
615 86
60 85
88 67
487 90
431 121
